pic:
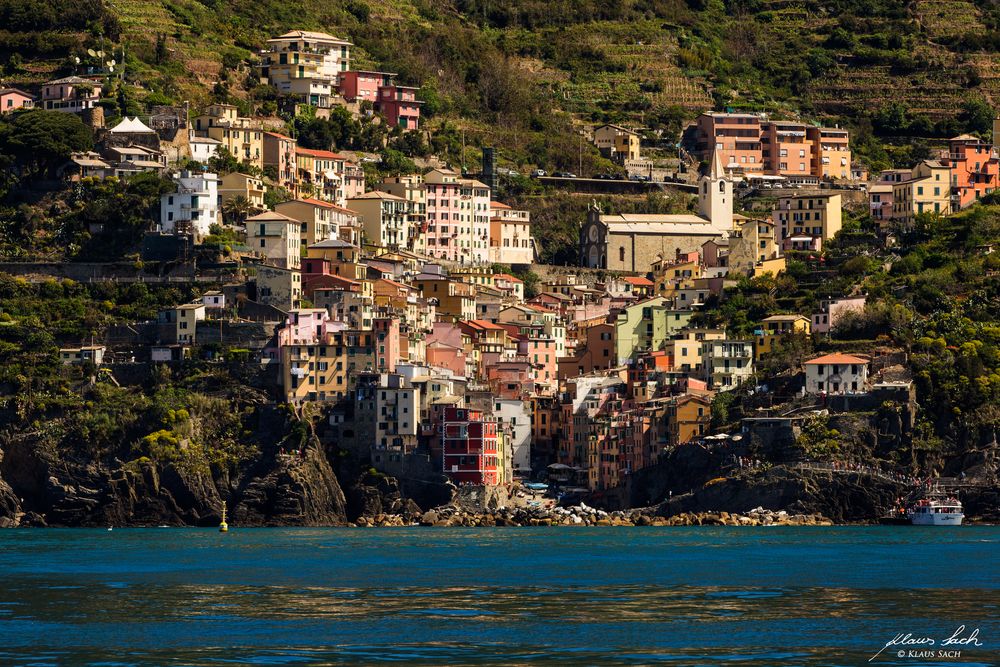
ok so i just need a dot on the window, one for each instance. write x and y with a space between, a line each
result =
621 254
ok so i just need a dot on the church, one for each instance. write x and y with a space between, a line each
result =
632 242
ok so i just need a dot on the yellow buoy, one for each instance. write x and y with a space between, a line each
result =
223 526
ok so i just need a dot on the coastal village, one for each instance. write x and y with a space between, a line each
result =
410 317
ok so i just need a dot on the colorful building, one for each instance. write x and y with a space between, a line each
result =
471 450
772 330
305 66
975 169
12 99
71 94
400 106
279 153
928 190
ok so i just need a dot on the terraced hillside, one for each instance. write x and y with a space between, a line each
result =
503 70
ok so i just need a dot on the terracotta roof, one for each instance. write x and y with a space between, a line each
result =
397 284
315 153
837 359
638 281
273 216
279 135
507 276
496 204
484 324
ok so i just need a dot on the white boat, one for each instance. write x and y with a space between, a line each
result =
936 508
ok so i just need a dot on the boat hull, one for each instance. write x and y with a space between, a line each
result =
933 519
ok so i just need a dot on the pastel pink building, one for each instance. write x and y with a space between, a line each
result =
305 326
399 105
71 94
12 99
386 330
360 85
542 355
444 214
443 355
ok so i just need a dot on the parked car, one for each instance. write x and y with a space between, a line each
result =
564 174
538 172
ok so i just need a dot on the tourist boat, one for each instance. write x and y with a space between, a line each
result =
936 508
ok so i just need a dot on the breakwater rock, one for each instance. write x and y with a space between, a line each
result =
583 515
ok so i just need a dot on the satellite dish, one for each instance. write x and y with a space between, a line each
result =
111 68
113 62
100 54
76 59
91 53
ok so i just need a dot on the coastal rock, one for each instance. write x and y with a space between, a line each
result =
296 491
10 507
839 497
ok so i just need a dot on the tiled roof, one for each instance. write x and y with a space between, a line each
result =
837 359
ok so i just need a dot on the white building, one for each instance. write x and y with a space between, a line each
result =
475 202
305 65
510 235
193 207
214 299
276 237
514 420
727 363
836 374
203 149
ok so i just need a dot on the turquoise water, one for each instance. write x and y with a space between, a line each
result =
574 596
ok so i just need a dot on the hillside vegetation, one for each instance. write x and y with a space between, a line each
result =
522 74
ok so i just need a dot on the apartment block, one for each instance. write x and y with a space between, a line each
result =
305 65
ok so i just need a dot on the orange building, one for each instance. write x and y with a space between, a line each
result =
747 143
831 152
734 136
786 149
974 170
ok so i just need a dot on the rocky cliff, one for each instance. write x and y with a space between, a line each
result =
841 497
281 485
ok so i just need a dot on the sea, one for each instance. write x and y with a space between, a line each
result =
769 596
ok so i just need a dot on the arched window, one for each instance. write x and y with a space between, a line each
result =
722 186
621 253
704 187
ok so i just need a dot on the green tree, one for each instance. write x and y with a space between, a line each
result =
394 163
977 115
41 141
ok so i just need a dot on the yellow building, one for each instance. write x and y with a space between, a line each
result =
249 187
928 190
686 349
753 249
243 137
813 215
772 329
327 370
455 300
617 143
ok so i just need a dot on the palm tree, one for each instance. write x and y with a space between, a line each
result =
236 210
